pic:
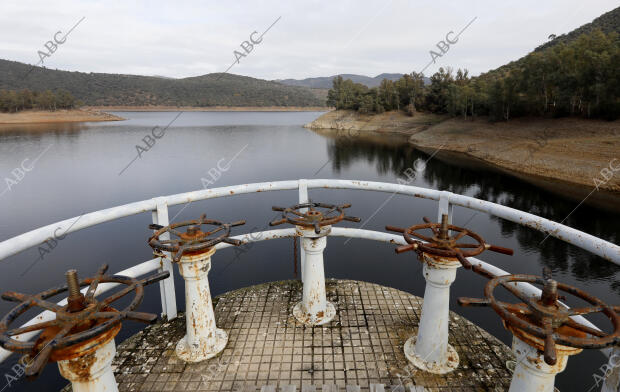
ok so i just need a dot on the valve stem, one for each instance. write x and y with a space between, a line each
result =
76 299
443 230
549 294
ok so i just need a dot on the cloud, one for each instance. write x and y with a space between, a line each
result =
313 38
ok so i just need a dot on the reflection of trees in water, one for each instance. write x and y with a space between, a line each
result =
491 185
387 158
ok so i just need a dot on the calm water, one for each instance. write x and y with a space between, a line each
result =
78 167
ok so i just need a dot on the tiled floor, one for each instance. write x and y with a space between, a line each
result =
363 345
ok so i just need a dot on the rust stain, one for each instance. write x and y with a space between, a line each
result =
81 367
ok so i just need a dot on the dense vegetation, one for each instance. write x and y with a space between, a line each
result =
15 101
579 77
110 90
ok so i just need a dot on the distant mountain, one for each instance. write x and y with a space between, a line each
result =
326 82
100 89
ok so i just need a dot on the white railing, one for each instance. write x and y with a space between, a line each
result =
159 209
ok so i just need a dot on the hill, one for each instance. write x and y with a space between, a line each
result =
101 89
327 81
576 76
607 23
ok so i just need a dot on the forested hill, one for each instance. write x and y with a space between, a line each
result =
577 76
608 22
110 89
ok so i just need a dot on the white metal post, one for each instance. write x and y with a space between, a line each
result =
532 374
429 350
314 309
203 340
612 379
91 372
445 207
303 198
166 286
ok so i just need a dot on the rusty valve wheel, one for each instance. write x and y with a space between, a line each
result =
546 318
313 217
443 241
194 239
80 325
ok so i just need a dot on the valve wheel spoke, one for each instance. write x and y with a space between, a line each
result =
43 356
296 212
460 235
422 237
217 229
523 297
467 246
583 328
118 295
92 288
194 239
175 232
550 351
586 310
308 215
106 315
33 327
445 237
47 305
93 317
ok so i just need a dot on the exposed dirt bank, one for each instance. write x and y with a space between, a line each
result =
389 122
554 153
210 109
570 150
58 116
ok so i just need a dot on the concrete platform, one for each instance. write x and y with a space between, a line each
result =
363 345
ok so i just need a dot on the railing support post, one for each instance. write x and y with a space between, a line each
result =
612 379
445 207
303 198
314 308
166 286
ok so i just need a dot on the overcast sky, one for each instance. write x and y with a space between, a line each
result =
312 38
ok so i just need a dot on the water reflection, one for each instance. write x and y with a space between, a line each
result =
451 172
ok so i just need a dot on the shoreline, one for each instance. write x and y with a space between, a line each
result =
58 116
209 108
101 113
562 155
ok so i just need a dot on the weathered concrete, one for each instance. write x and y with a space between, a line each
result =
363 345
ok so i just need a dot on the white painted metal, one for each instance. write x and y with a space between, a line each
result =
303 198
532 374
583 240
612 372
166 286
444 206
100 377
314 309
430 350
447 200
203 340
153 265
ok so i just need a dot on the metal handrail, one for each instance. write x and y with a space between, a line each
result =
593 244
158 206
